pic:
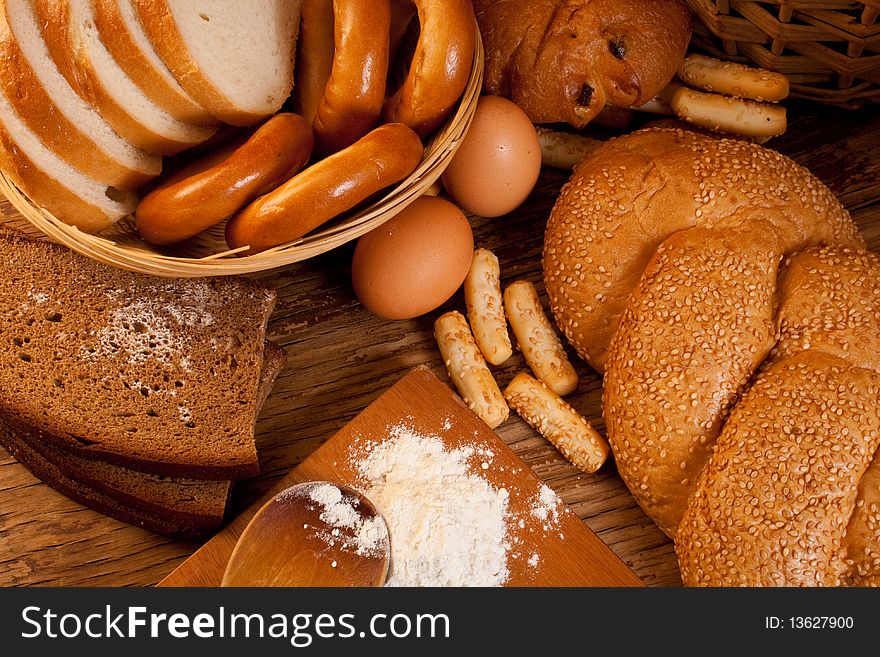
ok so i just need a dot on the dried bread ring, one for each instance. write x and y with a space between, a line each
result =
748 118
221 183
468 369
355 91
440 67
327 189
733 79
558 422
314 56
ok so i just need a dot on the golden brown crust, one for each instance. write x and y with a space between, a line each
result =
773 504
790 494
698 325
440 67
688 231
276 150
125 50
34 106
72 59
314 56
631 193
355 90
562 60
327 189
48 193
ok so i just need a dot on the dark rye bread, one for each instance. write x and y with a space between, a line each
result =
161 504
154 374
167 522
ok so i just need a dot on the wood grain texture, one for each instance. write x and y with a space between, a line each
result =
570 555
341 358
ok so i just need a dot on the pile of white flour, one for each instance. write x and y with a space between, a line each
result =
446 523
448 527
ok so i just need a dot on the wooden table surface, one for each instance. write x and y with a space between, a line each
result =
340 358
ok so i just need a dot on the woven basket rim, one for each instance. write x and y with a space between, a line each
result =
110 248
830 49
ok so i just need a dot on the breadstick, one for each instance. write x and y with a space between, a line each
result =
661 103
537 340
736 116
558 422
733 79
468 369
485 309
563 150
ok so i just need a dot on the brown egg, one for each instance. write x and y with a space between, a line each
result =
498 163
414 262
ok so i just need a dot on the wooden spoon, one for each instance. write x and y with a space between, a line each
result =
312 534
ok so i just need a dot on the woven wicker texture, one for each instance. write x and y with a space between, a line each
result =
829 49
208 255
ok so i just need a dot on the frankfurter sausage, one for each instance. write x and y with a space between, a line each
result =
326 189
440 67
355 91
220 186
314 57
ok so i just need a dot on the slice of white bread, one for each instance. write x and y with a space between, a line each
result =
154 374
66 112
69 32
54 185
123 35
31 102
235 58
161 504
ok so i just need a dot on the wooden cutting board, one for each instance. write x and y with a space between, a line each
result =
568 552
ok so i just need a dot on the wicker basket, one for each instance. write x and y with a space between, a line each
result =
829 49
208 255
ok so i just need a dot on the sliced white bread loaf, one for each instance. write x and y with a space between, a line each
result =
235 58
154 374
68 29
52 109
33 105
123 35
51 183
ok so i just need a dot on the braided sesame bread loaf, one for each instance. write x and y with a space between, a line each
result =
662 262
801 447
563 61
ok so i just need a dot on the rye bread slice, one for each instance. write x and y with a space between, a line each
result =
190 505
123 35
69 31
155 374
128 167
162 504
235 58
52 183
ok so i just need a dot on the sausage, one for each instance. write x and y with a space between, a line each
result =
327 189
314 56
355 91
440 67
220 186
